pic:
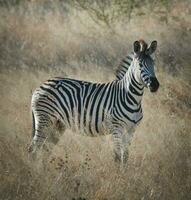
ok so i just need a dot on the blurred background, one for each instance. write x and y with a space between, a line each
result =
86 39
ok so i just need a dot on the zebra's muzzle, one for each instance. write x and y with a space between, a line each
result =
153 85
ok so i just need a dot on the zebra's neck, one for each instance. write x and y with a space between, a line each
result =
124 66
132 89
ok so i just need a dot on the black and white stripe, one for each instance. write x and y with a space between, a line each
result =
94 108
124 66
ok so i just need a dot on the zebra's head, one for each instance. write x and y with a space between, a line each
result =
144 64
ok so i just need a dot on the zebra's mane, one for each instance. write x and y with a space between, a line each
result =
124 66
126 62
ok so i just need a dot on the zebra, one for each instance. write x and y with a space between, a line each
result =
96 109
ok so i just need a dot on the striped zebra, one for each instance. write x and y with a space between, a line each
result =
96 109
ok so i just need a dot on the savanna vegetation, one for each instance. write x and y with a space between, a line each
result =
86 40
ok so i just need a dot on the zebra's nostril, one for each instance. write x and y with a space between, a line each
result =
154 85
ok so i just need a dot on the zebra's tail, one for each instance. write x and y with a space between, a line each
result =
33 125
30 148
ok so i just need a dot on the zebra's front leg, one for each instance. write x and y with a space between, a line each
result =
121 141
117 134
126 141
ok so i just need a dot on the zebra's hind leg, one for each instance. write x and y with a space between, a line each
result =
58 129
45 129
41 123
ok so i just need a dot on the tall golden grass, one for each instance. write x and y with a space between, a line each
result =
35 45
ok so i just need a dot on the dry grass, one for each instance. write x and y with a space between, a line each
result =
34 47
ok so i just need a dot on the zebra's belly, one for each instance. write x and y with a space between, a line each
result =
95 126
89 125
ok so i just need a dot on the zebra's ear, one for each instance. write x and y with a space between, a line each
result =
137 47
152 48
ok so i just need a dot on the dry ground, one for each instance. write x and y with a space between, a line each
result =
36 46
